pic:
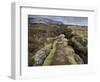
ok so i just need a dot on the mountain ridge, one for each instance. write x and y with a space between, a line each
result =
44 20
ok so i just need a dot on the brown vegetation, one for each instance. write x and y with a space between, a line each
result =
76 35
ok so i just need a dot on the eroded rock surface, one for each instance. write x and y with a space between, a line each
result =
57 52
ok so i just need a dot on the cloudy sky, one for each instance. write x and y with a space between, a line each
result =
65 19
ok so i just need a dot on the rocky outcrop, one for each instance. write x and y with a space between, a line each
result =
56 52
80 46
41 55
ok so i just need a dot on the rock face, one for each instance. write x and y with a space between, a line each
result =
56 52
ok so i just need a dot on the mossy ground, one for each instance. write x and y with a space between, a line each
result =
77 43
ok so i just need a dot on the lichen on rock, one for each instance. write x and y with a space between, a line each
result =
56 52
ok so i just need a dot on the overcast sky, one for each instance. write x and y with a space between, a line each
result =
65 19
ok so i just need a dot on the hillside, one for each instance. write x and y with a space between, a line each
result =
40 35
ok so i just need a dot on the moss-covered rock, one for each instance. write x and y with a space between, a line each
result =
78 59
41 54
48 60
79 48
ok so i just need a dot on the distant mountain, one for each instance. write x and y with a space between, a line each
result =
44 21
